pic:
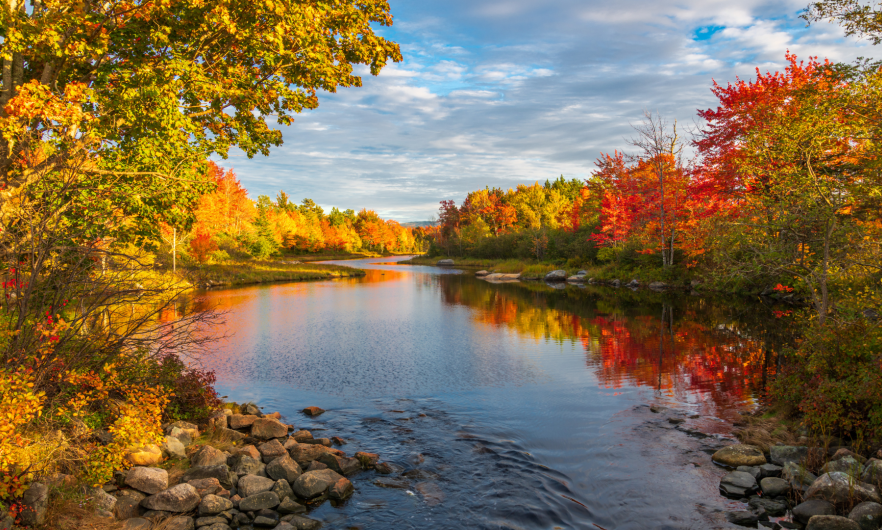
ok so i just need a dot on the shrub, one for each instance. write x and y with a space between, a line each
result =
262 248
220 255
193 397
202 246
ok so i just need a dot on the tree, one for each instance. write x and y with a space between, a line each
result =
856 18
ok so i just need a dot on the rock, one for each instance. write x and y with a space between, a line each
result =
342 465
146 455
150 480
480 274
303 454
266 519
289 506
315 465
206 486
217 526
810 508
872 472
315 411
337 440
383 468
179 522
743 518
784 454
173 448
845 464
320 441
210 520
252 485
191 429
304 523
300 436
220 472
282 489
431 492
774 487
251 409
737 485
753 471
178 499
229 434
314 483
208 456
218 421
740 455
556 276
798 477
127 507
245 465
266 428
868 515
770 470
576 279
261 501
103 500
341 489
137 523
242 421
844 451
35 501
445 263
831 522
367 460
838 488
771 507
213 505
658 286
248 450
181 435
271 450
283 468
156 516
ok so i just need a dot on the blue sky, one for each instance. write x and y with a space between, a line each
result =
502 92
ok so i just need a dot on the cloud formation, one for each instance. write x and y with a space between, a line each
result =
501 92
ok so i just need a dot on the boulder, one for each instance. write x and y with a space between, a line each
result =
480 274
810 508
210 521
743 518
213 505
337 440
220 472
737 485
177 499
314 483
252 485
180 522
774 487
752 470
283 468
845 464
261 501
217 421
206 486
242 421
265 519
289 506
303 454
321 441
771 506
770 470
271 450
127 507
844 451
248 450
658 286
785 454
367 460
831 522
243 464
384 468
137 523
267 428
342 465
341 489
145 455
103 500
868 515
798 477
872 473
208 456
251 409
740 455
576 279
315 465
191 429
182 436
150 480
445 263
300 436
313 411
35 501
556 276
304 523
173 448
282 489
839 488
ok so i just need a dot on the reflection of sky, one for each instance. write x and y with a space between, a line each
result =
501 92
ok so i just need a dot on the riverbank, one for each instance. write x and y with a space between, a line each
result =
252 271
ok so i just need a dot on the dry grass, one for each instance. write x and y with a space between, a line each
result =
71 510
765 431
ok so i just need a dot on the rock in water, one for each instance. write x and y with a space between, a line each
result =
831 522
314 411
177 499
341 489
556 276
868 515
737 485
445 263
36 500
289 506
150 480
314 483
808 509
740 455
367 460
839 488
304 454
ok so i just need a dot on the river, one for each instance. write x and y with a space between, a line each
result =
522 406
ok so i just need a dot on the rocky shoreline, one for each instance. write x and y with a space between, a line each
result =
245 470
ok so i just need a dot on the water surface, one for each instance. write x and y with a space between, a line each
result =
520 406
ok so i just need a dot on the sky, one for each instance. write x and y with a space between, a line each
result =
496 93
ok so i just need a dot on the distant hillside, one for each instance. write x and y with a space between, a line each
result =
414 224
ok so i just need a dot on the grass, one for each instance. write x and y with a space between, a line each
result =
253 271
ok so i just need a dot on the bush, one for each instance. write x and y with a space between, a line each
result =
220 255
263 248
193 397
